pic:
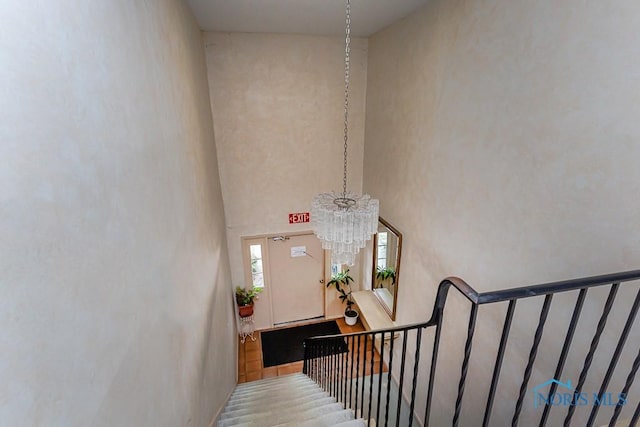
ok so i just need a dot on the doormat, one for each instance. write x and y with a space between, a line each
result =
286 345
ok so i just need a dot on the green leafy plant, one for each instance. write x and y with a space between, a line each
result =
386 273
342 282
246 296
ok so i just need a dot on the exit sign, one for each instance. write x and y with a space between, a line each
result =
296 218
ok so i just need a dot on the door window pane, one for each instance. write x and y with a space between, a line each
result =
257 272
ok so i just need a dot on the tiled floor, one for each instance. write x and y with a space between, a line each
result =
250 366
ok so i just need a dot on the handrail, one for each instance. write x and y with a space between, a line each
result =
526 291
500 296
330 360
557 287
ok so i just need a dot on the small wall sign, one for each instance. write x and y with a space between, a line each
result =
297 251
299 217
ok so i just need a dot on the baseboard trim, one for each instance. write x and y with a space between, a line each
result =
217 415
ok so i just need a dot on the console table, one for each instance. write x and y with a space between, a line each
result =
372 314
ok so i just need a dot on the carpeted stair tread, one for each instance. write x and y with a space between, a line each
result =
330 419
353 423
281 378
274 418
275 396
281 388
285 405
271 382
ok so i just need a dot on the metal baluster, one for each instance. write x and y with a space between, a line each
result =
371 368
339 373
327 373
329 368
364 374
625 390
465 362
355 411
305 369
380 368
402 364
352 349
416 364
498 366
319 362
342 369
333 369
636 416
314 362
563 354
532 357
345 356
311 360
307 359
615 358
336 349
325 363
339 370
389 368
594 345
432 370
345 369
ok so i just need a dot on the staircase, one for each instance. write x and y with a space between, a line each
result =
380 377
292 400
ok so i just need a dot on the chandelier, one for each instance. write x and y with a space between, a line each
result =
344 221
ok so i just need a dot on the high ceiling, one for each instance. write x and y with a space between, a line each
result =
319 17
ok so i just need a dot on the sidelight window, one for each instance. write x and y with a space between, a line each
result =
257 268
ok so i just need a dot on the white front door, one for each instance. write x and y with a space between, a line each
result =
297 277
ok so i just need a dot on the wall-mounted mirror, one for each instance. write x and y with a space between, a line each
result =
387 244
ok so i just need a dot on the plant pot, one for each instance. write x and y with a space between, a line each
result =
245 310
351 317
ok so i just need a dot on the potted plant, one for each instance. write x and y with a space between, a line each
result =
342 282
383 274
245 298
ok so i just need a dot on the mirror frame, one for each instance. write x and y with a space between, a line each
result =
390 312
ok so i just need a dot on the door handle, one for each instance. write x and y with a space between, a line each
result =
321 281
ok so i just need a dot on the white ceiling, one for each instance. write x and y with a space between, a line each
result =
320 17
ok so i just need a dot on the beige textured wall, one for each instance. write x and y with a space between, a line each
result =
502 139
277 108
116 306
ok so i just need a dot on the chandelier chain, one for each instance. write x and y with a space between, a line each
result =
345 222
347 63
